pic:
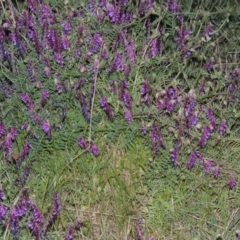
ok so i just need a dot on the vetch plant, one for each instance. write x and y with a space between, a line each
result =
101 62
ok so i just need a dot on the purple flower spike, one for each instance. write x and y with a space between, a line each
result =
208 31
128 115
143 128
82 143
65 43
25 152
173 6
26 99
209 65
156 139
3 212
35 229
127 99
216 171
47 129
192 160
232 183
56 204
112 13
56 208
106 107
84 107
94 149
37 215
153 47
45 96
206 135
223 127
131 48
152 238
66 27
25 175
70 232
14 224
208 165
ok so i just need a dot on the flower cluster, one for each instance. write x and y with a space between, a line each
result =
92 146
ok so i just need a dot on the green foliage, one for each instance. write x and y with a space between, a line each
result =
126 181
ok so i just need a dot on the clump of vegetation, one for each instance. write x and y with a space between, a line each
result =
81 78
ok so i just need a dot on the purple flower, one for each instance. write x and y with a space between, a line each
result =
25 152
34 227
56 204
112 14
170 104
84 107
216 171
65 43
82 143
31 71
105 53
37 215
205 136
3 212
26 99
47 129
156 139
47 71
171 93
145 90
192 160
153 47
56 208
14 224
32 6
118 63
36 119
112 86
78 53
160 104
174 156
131 51
189 105
223 127
232 183
208 31
127 99
209 65
96 43
152 238
191 120
143 128
45 96
25 175
173 6
208 165
235 73
106 107
59 58
128 115
70 232
94 149
66 27
231 87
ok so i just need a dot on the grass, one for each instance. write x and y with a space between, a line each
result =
111 192
125 185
